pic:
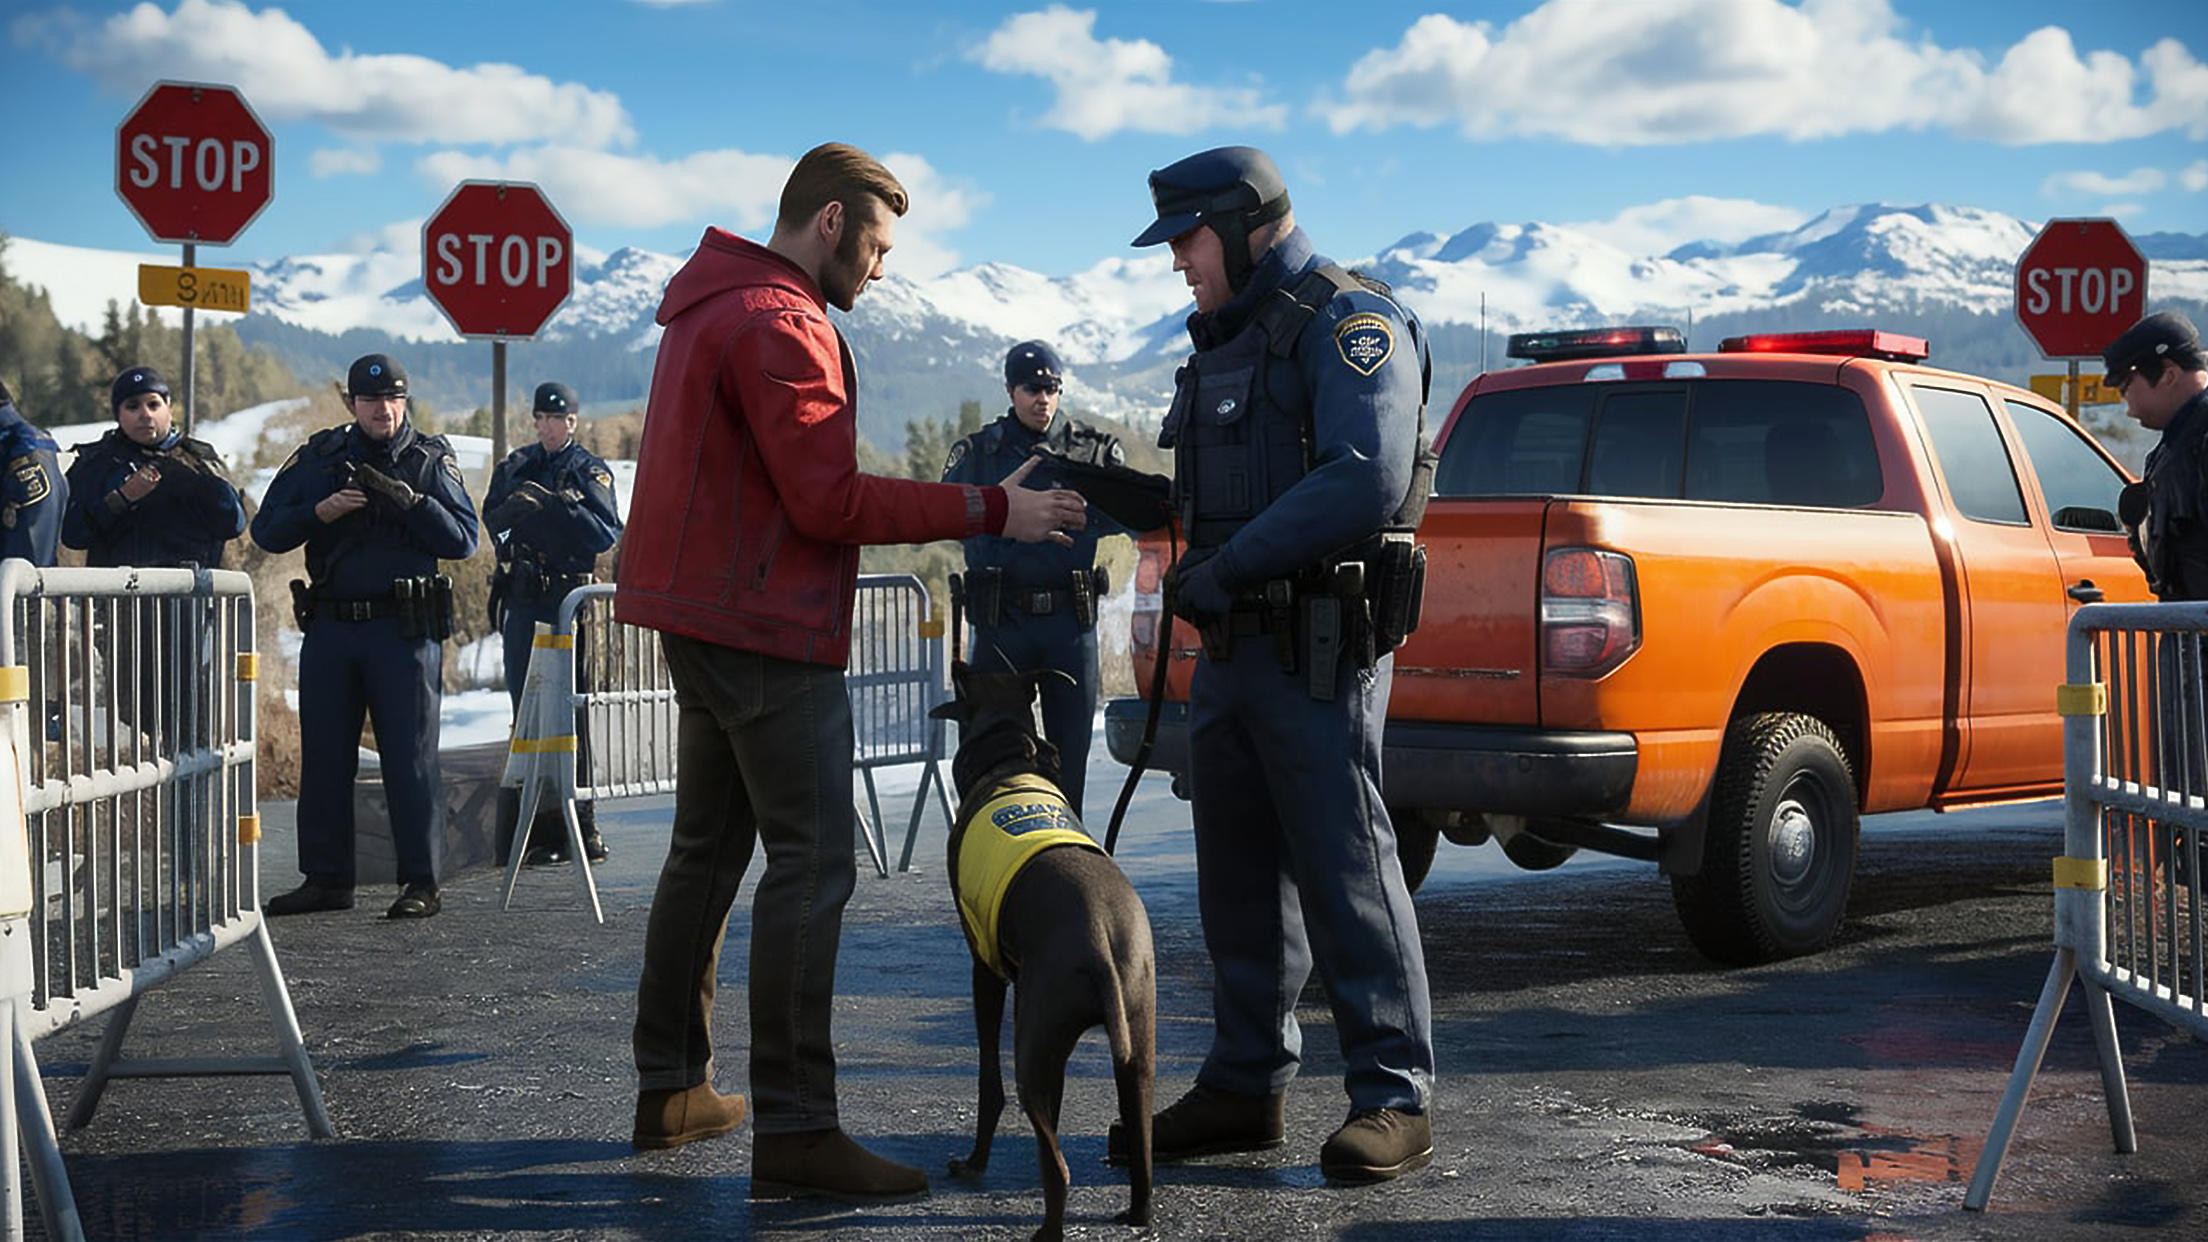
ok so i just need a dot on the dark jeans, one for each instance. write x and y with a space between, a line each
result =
763 756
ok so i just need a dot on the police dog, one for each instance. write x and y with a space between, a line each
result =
1049 913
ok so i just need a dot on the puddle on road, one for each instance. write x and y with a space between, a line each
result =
1831 1138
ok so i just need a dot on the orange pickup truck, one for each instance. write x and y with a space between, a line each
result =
1709 609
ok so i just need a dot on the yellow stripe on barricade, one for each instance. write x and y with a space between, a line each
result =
15 683
2086 699
2086 873
560 641
249 666
932 627
249 829
543 745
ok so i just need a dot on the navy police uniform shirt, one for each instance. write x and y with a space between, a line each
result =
361 554
984 458
574 520
33 492
184 521
1358 366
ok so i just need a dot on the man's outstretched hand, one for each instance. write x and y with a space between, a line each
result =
1031 516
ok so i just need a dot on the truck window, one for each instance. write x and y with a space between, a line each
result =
1781 442
2080 485
1519 442
1980 477
1640 440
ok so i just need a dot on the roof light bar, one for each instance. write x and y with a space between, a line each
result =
1847 343
1594 343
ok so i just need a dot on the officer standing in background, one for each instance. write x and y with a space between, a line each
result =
2158 368
32 490
1033 605
550 511
1297 469
145 493
377 505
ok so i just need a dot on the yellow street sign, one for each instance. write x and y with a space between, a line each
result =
2090 389
205 288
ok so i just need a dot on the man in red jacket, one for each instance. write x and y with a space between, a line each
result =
743 551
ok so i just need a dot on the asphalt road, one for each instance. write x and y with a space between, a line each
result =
1598 1079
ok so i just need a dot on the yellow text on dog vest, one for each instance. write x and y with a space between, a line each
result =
1026 816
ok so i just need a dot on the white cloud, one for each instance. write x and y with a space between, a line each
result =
1660 72
734 189
287 75
1661 227
1107 86
344 161
2091 181
2195 176
2119 210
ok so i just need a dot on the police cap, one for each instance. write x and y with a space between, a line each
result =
555 398
375 375
133 382
1222 181
1033 362
2157 336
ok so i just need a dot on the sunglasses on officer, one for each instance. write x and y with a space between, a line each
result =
1035 390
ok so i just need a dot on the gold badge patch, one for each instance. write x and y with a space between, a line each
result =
1365 341
30 474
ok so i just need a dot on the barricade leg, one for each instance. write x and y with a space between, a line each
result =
2103 1016
57 1204
289 1044
871 830
582 857
2028 1057
96 1077
532 794
931 776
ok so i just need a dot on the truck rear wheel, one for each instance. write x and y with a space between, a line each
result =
1416 838
1780 851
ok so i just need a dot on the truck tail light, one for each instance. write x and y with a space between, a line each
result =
1590 612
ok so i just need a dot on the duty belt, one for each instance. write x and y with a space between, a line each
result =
1038 601
556 586
369 609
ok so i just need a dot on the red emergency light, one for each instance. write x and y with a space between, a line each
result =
1847 343
1594 343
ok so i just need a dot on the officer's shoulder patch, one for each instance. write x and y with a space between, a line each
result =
1365 341
601 476
292 460
958 454
30 474
452 468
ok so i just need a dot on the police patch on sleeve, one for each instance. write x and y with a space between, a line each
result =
452 468
1365 341
30 475
601 476
958 454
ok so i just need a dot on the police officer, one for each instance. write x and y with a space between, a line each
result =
550 511
2158 367
1033 605
145 493
1295 431
377 504
33 492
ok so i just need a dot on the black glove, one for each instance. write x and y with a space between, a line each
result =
381 486
2132 503
1193 583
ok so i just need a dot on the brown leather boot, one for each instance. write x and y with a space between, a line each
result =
1207 1121
1377 1144
828 1164
673 1117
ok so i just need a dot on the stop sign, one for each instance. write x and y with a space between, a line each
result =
193 163
497 259
2078 286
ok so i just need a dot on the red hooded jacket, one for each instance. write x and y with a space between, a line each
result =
749 507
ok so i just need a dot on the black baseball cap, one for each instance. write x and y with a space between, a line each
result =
133 382
555 398
1221 181
2157 336
375 375
1033 362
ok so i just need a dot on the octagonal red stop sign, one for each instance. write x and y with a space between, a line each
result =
193 163
2078 286
497 258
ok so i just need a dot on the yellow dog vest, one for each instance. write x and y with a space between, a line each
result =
1024 817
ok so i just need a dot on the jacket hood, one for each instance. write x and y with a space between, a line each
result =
724 261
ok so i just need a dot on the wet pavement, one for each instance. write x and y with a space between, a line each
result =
1598 1079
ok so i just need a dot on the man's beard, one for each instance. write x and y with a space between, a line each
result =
842 279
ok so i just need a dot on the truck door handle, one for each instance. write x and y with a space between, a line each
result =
2084 591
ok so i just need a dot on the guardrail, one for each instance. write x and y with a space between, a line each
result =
2128 891
598 719
126 699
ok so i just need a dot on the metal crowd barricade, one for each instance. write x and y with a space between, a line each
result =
126 697
598 720
2128 891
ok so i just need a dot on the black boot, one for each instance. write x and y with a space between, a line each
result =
320 892
1208 1122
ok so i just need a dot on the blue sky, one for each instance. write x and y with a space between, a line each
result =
1025 131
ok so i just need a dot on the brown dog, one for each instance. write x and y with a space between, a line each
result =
1068 933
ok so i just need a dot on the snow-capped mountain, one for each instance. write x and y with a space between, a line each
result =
927 343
